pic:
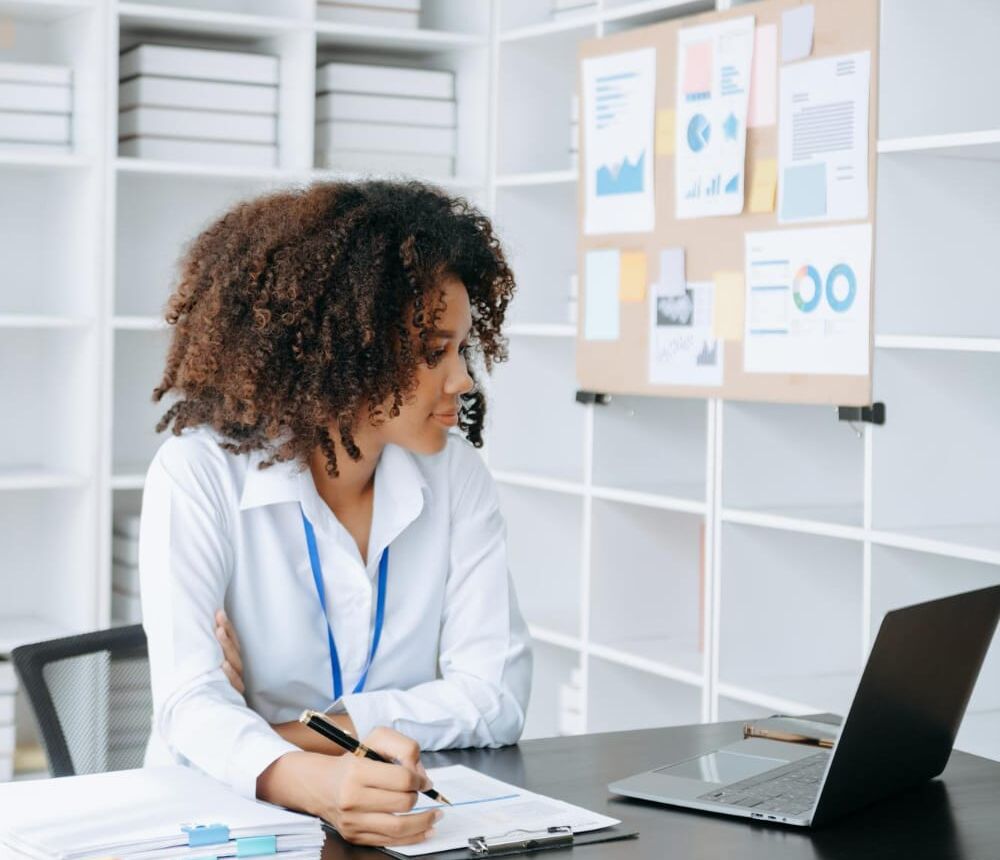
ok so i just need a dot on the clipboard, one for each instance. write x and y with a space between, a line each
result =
521 842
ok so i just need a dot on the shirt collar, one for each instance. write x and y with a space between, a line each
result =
270 486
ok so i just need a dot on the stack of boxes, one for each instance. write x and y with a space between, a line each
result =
126 607
404 14
385 119
569 8
36 107
8 692
198 105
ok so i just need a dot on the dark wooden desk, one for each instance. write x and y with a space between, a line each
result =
955 817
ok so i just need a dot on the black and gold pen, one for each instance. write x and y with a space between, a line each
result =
751 731
321 725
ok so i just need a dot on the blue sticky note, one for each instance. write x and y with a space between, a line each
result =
601 274
256 846
803 192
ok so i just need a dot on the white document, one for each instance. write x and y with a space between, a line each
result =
483 806
797 26
808 301
823 139
682 350
138 815
713 86
618 113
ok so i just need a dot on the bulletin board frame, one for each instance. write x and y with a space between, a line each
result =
718 243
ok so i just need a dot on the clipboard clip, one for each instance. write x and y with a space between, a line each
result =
521 840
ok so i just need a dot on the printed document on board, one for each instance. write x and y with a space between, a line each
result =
823 139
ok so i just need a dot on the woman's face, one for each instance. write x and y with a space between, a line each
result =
432 410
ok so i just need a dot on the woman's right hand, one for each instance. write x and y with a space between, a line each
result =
356 795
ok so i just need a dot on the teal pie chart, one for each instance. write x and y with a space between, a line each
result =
841 272
807 282
698 132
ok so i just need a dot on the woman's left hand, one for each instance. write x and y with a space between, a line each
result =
232 661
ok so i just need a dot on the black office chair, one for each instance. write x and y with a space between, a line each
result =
91 697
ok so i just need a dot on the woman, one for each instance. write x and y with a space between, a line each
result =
313 489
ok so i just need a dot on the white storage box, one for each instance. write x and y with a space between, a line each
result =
8 680
153 91
393 5
385 80
368 16
34 73
200 151
127 525
124 550
7 708
364 107
35 98
177 62
125 578
384 137
392 163
125 608
197 125
34 127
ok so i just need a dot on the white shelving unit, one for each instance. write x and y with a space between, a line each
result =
676 559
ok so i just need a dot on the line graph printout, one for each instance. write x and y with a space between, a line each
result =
618 107
483 806
713 91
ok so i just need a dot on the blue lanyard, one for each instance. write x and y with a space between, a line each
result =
317 572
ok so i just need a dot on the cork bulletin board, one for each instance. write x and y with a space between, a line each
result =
718 244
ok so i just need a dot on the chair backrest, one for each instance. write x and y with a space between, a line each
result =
91 697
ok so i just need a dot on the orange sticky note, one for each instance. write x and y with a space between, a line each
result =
6 32
665 131
730 301
763 182
632 277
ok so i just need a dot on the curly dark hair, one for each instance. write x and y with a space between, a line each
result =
295 311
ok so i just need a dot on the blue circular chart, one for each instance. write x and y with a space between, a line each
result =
698 133
845 272
807 278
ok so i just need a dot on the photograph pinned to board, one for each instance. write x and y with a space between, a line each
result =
682 349
713 84
823 139
807 301
619 93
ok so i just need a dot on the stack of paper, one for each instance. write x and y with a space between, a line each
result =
8 692
193 104
126 607
153 814
385 119
404 14
36 107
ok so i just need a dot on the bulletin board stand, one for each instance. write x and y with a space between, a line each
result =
718 243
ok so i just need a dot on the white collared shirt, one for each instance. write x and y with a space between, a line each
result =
453 667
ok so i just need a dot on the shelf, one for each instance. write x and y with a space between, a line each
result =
643 10
686 668
834 688
538 482
128 480
940 344
826 520
549 177
43 321
679 503
458 183
555 638
147 15
44 10
40 479
541 330
331 33
24 629
979 145
222 172
977 542
548 28
40 160
139 323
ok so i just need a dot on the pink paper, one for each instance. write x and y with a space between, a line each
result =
763 77
698 70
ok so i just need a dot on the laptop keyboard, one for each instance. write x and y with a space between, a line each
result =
788 790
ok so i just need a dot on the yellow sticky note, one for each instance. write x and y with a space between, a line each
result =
632 277
730 299
763 182
665 119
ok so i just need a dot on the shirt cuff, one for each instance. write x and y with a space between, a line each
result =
365 712
253 757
